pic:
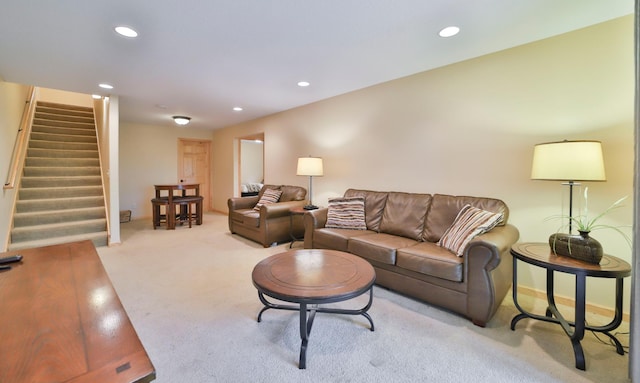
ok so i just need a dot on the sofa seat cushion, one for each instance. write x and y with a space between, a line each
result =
336 239
379 247
431 259
247 217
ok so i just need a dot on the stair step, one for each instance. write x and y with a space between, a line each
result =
44 136
98 238
40 115
50 171
62 145
24 206
58 182
64 109
57 153
59 192
62 162
29 233
64 124
57 216
57 129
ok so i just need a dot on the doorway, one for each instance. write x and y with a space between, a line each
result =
250 164
194 166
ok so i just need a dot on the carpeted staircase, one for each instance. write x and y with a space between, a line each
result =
60 198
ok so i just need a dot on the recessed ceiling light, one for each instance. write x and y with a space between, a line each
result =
181 120
105 86
303 83
126 31
237 109
449 31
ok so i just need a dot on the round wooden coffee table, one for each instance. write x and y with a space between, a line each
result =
312 277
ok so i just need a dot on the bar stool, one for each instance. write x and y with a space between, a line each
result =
190 209
158 217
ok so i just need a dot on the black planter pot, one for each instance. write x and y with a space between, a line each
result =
582 247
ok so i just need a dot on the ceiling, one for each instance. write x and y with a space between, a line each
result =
202 58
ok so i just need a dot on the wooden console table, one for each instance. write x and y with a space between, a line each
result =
62 321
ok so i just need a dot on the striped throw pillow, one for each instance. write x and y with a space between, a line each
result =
469 223
346 213
269 196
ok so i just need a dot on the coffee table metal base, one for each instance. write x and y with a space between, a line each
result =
306 322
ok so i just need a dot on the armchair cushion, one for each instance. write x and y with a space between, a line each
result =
269 196
469 223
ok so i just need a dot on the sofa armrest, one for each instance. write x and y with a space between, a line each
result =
488 270
237 203
313 219
278 209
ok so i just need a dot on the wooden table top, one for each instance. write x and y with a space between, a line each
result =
313 276
62 321
540 254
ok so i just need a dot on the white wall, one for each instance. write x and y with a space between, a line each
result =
149 156
470 128
64 97
13 98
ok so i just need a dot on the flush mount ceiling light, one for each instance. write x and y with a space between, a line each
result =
237 109
449 31
304 83
105 86
126 31
181 120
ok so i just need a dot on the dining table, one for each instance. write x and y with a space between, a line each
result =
173 193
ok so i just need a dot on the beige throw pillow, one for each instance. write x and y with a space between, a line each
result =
469 223
269 196
346 213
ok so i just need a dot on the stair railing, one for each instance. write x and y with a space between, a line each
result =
22 140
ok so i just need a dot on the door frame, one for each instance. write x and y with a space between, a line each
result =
238 168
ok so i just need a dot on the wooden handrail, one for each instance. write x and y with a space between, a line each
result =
22 140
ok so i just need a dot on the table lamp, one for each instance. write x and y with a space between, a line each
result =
568 161
310 166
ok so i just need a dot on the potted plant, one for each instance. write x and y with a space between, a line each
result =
583 246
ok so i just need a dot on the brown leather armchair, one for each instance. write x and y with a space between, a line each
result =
273 222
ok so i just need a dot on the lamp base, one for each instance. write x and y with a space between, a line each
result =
310 207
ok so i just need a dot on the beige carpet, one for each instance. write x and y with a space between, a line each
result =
189 295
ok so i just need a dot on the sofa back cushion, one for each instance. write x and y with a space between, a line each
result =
292 193
374 203
404 214
289 192
445 208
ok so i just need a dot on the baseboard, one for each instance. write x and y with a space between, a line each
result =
566 301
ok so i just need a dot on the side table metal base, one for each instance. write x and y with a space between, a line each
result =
574 330
306 321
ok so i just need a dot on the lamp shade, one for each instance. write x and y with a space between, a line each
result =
568 161
309 166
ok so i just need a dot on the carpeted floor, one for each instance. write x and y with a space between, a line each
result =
189 295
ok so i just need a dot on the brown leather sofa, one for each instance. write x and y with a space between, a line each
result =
272 223
400 242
